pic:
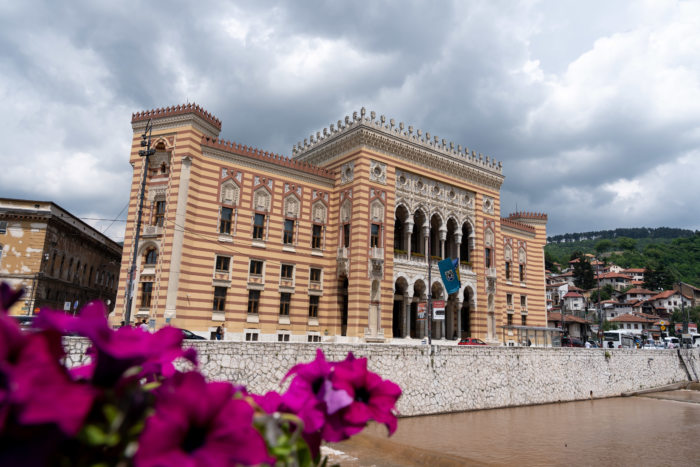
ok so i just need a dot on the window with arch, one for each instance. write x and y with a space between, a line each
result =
159 213
151 256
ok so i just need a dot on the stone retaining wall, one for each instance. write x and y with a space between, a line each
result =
456 378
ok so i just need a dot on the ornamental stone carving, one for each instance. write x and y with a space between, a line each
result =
261 200
156 192
376 211
508 253
229 193
522 257
291 207
377 172
488 238
347 172
318 213
487 205
346 211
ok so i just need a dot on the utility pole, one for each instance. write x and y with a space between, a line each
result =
145 153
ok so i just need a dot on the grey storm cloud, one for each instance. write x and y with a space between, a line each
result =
592 107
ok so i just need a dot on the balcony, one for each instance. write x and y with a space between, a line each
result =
152 230
491 272
376 253
343 262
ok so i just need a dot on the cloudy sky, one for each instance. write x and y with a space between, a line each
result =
593 107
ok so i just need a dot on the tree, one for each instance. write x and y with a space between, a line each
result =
583 272
608 326
605 293
627 243
603 246
549 261
659 278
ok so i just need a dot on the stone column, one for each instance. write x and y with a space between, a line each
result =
459 320
458 246
443 236
178 238
407 316
408 233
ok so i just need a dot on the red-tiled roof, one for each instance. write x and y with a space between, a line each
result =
633 270
629 318
517 225
639 290
664 294
573 295
613 275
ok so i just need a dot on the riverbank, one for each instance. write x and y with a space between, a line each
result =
447 379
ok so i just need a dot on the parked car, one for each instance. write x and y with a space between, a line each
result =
190 335
26 322
471 341
571 342
649 344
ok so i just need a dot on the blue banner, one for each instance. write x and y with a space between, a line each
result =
449 271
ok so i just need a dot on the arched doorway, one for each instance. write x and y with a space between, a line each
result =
343 302
417 327
465 312
398 321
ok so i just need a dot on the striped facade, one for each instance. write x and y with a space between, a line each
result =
331 244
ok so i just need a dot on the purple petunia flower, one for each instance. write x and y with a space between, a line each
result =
29 364
373 399
114 352
199 424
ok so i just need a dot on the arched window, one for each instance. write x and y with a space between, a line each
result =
151 256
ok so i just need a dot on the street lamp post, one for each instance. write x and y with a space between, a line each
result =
145 153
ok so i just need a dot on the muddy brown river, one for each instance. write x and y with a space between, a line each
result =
659 429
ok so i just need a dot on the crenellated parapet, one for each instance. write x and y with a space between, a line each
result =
506 222
265 156
174 111
400 132
528 215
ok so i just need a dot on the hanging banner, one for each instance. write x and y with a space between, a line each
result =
439 310
449 271
422 306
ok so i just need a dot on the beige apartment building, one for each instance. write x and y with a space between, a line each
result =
331 244
59 260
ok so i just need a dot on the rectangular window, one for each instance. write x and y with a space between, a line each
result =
346 235
219 298
510 319
259 227
223 263
523 301
287 271
146 292
225 222
487 257
256 267
316 236
313 306
315 275
523 320
285 300
288 236
313 338
522 273
251 336
159 217
374 236
282 337
253 301
507 270
509 300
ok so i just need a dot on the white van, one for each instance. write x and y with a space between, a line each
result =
696 340
672 340
618 340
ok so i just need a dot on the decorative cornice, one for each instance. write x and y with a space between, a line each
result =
376 134
519 227
257 159
538 218
177 110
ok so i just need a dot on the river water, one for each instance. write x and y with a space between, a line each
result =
658 429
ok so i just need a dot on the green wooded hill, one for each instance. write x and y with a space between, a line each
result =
677 250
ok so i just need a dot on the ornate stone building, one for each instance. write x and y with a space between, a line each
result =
58 259
331 244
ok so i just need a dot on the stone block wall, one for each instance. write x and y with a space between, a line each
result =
453 378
